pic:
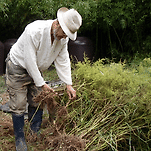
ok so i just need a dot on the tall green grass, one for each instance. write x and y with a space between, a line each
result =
112 110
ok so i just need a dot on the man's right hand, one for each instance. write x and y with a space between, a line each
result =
46 87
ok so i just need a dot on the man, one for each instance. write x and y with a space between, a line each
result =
41 44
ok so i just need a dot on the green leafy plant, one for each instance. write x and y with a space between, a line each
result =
113 110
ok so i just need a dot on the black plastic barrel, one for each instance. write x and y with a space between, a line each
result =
7 46
79 47
1 58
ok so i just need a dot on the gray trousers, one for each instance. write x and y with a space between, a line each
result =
21 88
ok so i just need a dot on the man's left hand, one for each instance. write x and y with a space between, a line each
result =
71 92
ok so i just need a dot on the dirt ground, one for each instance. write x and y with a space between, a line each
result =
53 135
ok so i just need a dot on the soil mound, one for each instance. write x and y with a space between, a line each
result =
58 118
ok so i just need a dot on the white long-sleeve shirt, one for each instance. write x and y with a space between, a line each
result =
34 52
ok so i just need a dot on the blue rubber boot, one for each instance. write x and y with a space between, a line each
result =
35 117
18 124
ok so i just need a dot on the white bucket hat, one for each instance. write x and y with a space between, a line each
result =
70 21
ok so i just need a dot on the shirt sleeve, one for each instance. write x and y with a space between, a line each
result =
30 59
63 67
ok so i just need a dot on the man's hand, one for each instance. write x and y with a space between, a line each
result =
71 92
46 87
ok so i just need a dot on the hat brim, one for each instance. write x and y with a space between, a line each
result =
60 13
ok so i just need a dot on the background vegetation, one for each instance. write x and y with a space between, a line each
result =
118 28
113 111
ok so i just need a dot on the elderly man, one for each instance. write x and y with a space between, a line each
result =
42 43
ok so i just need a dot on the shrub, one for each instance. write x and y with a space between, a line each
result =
113 110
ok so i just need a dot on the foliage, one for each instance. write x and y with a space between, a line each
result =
23 12
117 28
112 110
3 6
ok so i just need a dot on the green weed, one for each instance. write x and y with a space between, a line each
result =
113 110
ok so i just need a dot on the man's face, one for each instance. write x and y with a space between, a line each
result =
59 33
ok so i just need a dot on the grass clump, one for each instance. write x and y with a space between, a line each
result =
113 110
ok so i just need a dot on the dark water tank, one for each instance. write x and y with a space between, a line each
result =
7 46
79 47
1 58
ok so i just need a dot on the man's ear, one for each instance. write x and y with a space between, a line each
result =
57 22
